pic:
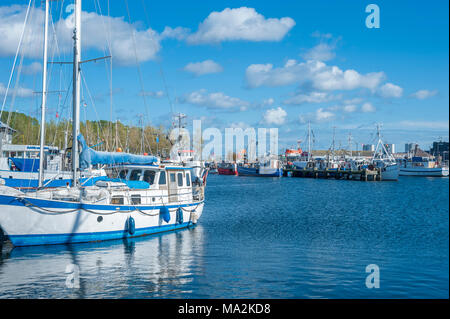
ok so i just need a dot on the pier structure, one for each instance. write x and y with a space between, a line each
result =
348 174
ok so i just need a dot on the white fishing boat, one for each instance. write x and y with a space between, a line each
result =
385 161
146 196
421 166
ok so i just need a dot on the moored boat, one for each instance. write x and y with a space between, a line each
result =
227 169
272 168
141 195
420 163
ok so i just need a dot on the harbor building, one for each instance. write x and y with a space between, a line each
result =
440 149
368 147
410 147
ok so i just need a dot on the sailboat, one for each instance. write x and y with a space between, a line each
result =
28 167
142 195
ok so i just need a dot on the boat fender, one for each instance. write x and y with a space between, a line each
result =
131 226
164 213
193 217
179 216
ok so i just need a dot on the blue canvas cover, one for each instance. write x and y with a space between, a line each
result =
26 164
88 157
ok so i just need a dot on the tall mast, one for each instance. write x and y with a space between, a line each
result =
76 90
334 136
350 144
309 141
44 99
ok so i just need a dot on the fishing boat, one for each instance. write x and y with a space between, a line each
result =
422 166
145 197
384 160
270 168
227 168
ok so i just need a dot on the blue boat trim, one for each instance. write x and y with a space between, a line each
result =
45 203
250 171
50 239
33 183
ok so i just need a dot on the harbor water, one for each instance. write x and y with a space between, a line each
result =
262 238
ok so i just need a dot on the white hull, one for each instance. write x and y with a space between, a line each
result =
421 171
390 173
30 221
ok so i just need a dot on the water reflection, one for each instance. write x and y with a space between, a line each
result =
144 267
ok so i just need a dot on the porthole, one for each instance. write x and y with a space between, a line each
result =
99 218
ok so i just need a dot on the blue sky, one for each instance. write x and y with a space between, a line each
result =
250 64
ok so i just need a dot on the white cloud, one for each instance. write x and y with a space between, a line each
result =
268 102
367 107
350 108
320 115
321 76
20 91
240 24
241 125
389 90
317 34
154 94
275 116
216 100
96 31
32 68
321 52
355 100
205 67
312 97
424 94
178 33
415 125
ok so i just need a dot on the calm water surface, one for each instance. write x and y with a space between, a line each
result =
264 238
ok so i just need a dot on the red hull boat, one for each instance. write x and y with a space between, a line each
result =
227 169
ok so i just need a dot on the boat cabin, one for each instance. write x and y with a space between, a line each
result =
151 183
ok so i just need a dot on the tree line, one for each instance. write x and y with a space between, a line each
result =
100 135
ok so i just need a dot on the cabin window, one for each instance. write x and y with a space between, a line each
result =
149 176
188 179
135 199
162 178
123 174
180 179
117 200
135 175
172 177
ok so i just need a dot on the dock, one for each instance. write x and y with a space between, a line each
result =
358 175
